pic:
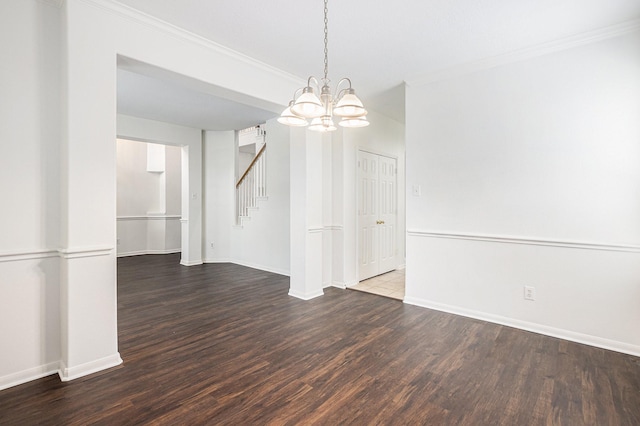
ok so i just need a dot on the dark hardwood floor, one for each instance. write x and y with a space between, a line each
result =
224 344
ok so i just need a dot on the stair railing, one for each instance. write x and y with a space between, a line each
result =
252 185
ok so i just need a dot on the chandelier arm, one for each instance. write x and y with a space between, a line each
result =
315 80
297 93
339 92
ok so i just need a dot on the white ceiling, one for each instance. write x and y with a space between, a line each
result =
377 44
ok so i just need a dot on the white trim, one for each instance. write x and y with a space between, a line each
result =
333 228
249 265
66 253
572 336
343 285
149 217
315 229
27 255
507 239
78 252
261 267
206 261
186 263
144 252
24 376
305 296
376 152
183 221
528 53
338 284
142 18
70 373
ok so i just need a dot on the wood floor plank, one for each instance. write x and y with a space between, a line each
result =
225 344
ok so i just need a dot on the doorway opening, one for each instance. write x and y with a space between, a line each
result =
149 198
377 204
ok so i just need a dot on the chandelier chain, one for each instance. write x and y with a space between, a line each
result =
326 41
320 108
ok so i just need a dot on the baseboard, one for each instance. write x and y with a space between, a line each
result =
343 285
144 252
249 265
196 263
585 339
217 261
70 373
262 267
305 296
15 379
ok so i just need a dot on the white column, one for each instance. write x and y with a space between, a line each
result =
88 199
306 214
191 205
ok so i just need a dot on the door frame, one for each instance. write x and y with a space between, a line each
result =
357 195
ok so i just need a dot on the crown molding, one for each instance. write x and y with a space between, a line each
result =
528 53
131 14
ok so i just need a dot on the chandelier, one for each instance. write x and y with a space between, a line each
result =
306 105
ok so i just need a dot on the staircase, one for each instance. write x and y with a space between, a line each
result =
252 186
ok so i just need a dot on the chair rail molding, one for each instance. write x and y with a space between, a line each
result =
27 255
78 252
509 239
149 217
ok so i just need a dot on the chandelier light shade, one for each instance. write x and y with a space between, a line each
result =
290 119
349 105
322 124
354 122
306 105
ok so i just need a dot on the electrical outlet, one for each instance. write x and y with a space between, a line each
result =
417 191
211 244
529 293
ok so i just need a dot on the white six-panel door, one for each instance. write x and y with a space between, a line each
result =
377 214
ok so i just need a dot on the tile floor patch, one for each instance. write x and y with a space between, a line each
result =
390 285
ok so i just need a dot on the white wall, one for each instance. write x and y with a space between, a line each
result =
263 240
529 176
29 190
148 202
219 185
